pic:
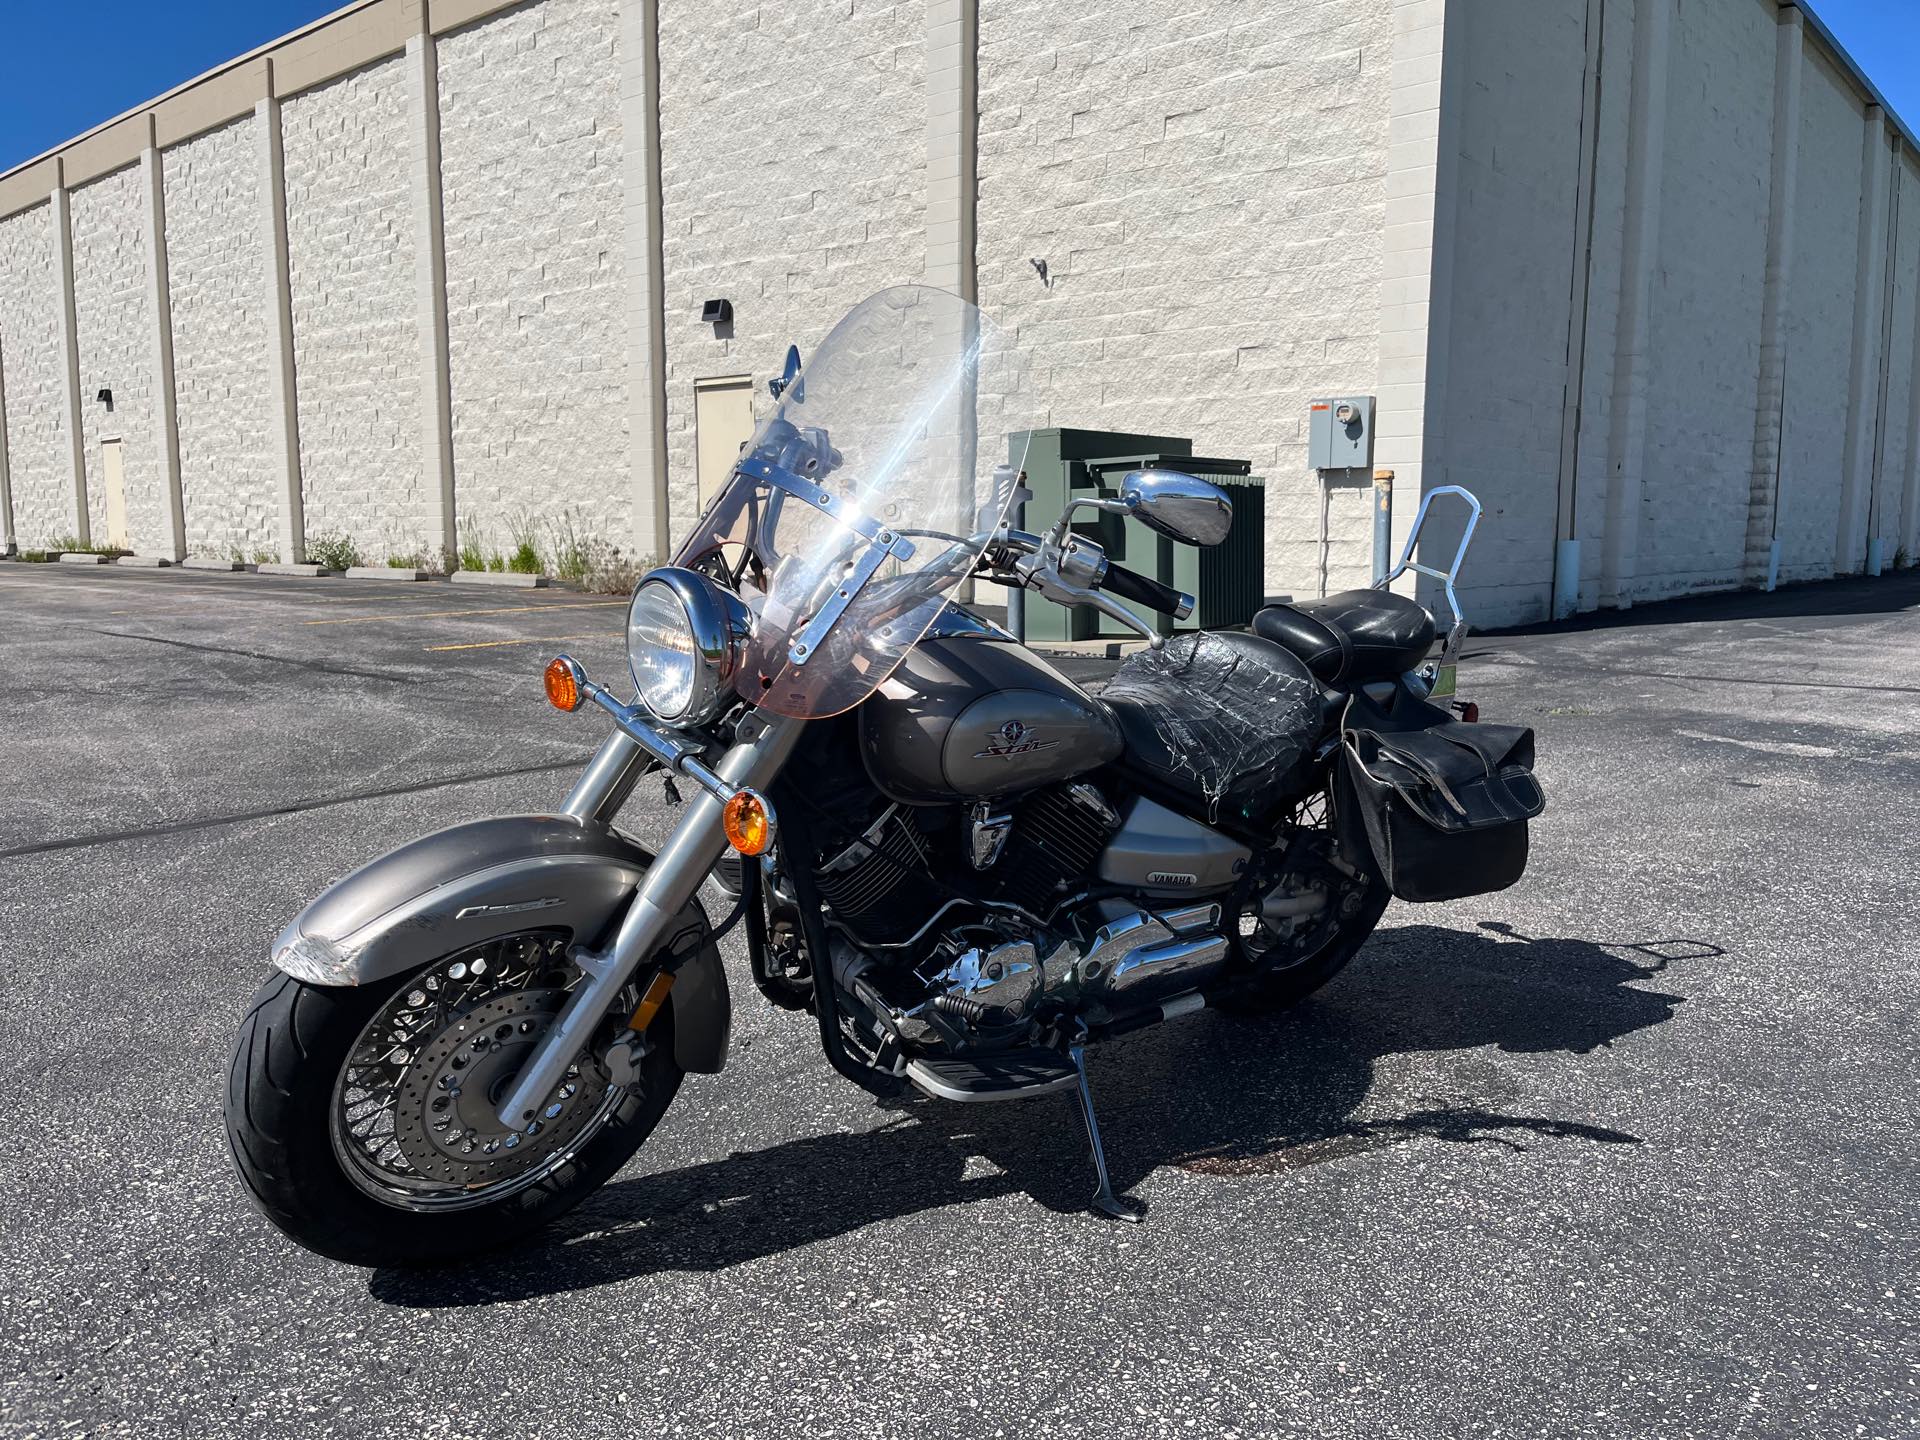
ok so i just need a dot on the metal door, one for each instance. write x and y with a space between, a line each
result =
722 423
114 487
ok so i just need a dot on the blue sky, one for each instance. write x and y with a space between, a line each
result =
65 67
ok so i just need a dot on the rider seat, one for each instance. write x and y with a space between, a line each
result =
1216 722
1353 637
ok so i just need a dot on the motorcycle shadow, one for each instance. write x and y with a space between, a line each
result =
1216 1095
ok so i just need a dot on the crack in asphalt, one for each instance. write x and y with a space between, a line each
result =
259 655
295 807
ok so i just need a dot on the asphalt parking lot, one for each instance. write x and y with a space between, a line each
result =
1627 1150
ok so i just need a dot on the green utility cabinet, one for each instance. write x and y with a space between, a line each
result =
1226 580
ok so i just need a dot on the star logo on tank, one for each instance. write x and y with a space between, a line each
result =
1013 738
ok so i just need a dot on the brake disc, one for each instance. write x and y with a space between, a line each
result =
444 1108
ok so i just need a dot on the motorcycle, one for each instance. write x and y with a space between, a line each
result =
962 865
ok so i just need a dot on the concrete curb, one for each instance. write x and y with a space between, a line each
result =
77 557
383 572
505 578
278 567
145 562
202 563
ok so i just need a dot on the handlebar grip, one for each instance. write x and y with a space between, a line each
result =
1144 590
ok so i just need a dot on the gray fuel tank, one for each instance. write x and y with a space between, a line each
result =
972 717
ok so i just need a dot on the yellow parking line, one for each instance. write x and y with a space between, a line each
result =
531 640
484 610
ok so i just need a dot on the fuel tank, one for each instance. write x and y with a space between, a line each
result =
971 717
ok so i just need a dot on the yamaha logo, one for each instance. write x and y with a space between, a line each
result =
1013 738
1171 877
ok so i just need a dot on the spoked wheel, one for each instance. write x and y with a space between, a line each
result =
1298 928
363 1119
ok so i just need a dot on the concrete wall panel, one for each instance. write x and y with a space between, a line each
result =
536 320
794 179
1707 298
1820 321
1895 417
36 378
1507 368
217 271
113 318
356 342
1603 295
1207 185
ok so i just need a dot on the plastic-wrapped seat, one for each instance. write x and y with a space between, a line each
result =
1222 721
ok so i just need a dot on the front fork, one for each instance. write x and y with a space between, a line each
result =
670 882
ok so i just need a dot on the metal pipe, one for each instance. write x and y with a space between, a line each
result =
670 882
1382 526
603 787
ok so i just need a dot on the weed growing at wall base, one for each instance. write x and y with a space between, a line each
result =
332 551
472 557
70 545
524 531
571 550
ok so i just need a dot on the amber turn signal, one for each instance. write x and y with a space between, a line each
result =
563 684
747 820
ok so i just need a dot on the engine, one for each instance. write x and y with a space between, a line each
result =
968 920
911 864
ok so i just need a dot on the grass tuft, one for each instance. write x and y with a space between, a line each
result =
332 551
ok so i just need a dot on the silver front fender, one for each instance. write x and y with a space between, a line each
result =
477 882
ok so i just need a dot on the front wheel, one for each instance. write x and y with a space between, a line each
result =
361 1118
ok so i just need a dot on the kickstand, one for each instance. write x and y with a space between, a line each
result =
1104 1200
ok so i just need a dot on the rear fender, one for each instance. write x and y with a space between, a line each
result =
473 883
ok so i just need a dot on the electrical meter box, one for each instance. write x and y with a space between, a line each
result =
1340 433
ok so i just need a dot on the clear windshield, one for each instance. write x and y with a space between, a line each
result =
864 498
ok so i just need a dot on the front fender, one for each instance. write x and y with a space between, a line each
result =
477 882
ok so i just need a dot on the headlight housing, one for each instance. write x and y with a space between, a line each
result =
685 640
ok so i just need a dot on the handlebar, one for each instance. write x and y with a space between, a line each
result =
1144 590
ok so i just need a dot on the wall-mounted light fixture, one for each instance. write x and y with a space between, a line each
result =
105 397
716 312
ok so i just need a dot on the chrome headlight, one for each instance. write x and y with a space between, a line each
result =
685 640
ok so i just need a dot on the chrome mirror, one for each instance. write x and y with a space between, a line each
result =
1181 507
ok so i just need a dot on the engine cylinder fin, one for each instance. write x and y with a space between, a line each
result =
1057 836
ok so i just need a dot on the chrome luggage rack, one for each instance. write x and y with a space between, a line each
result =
1457 631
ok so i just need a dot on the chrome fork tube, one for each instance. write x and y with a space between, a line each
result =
603 787
670 882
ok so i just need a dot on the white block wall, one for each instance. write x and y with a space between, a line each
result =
1506 367
1707 297
36 379
794 173
536 309
113 318
1213 188
1604 282
217 272
350 249
1820 321
1897 457
1207 184
1517 86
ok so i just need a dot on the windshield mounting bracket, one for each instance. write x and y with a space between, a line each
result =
883 544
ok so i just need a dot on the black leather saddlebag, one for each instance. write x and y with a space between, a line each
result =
1445 803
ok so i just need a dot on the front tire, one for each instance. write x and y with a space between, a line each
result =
281 1101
